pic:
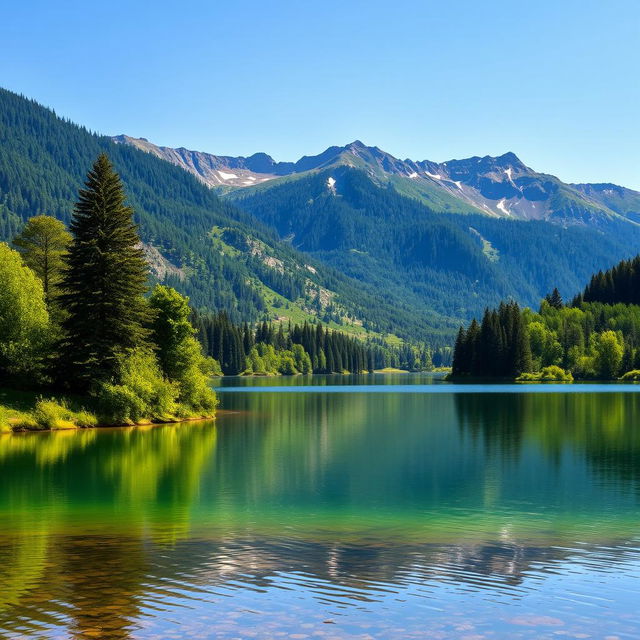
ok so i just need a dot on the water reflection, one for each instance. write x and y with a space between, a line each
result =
599 427
329 509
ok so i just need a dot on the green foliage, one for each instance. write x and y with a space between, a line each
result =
592 341
631 376
104 281
40 413
12 420
620 284
43 244
312 348
179 353
24 321
551 373
49 414
301 359
224 341
498 348
608 355
138 392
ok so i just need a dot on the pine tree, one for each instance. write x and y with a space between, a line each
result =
519 346
104 282
555 299
473 337
461 365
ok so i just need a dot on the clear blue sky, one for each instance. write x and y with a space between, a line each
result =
557 82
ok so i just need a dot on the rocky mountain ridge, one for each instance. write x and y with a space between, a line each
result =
501 186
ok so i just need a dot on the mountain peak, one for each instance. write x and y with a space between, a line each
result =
510 158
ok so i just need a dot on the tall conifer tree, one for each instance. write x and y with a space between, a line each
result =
104 282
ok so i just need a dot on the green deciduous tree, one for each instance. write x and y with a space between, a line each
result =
608 355
179 353
24 321
104 281
43 244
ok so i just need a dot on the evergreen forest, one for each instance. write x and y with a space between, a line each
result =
595 336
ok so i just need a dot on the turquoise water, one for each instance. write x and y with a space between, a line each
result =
389 506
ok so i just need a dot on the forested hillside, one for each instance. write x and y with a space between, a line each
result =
210 250
456 265
340 244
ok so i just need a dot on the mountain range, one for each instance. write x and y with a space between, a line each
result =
502 186
354 237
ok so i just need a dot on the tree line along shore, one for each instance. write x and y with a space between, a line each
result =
84 341
594 337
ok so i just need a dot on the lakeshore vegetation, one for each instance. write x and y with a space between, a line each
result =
76 323
594 337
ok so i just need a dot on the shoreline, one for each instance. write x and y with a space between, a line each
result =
150 423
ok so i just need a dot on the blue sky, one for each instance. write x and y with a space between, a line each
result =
557 82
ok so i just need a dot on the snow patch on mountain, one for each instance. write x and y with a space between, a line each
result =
509 173
501 205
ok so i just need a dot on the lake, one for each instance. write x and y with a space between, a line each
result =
386 506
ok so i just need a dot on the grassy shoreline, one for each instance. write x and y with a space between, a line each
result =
22 411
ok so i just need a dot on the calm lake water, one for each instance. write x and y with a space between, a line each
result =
333 507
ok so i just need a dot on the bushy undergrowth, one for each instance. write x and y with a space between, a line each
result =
50 414
552 373
142 393
46 414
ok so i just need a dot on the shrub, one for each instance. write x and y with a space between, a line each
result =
7 419
139 391
552 373
49 414
631 376
85 419
23 421
120 404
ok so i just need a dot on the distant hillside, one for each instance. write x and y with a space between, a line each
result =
221 257
454 264
353 236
